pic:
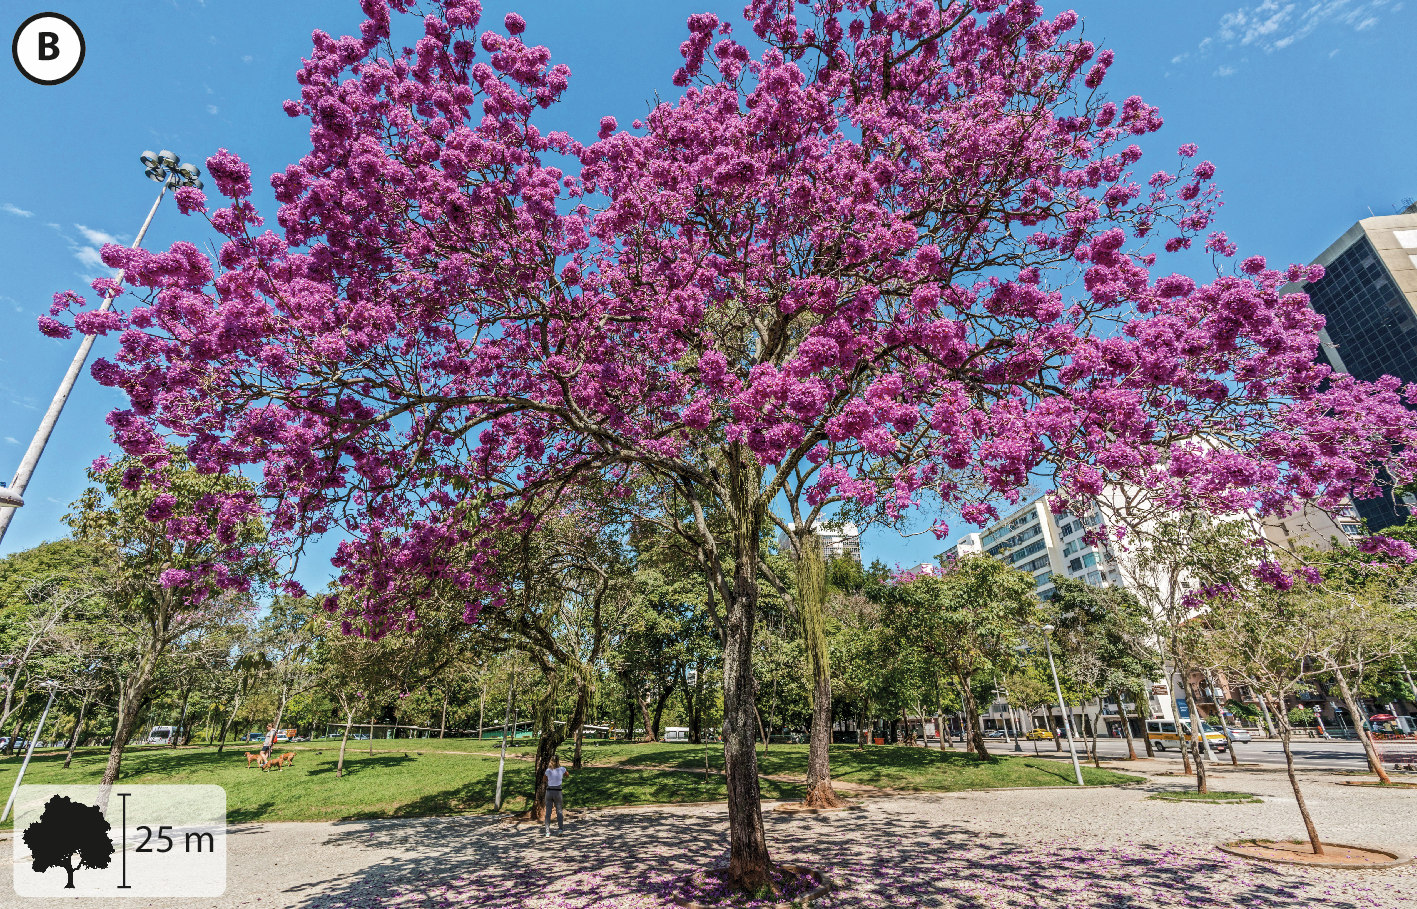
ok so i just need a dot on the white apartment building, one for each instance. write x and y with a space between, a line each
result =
1035 540
838 541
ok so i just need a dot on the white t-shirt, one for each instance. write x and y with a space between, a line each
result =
554 775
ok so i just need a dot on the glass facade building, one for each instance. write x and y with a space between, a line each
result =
1368 297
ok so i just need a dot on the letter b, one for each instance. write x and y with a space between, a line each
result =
48 45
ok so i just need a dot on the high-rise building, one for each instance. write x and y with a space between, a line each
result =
1368 296
1035 540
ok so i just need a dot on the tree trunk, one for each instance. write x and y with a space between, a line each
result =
129 703
78 729
280 715
659 705
18 713
1363 736
749 864
1193 740
344 740
650 727
1126 726
1096 761
578 717
1145 739
630 724
1057 739
811 602
443 723
481 703
226 724
371 732
971 715
181 718
546 745
1285 731
940 729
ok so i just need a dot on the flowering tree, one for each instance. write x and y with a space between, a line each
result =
905 240
169 566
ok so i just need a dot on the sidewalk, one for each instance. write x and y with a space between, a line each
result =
1042 849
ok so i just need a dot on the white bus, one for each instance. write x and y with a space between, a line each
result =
161 735
676 734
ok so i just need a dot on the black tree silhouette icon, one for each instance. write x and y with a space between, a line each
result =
68 829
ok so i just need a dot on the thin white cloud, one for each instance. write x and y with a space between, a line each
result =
12 440
1225 71
212 108
89 255
247 58
96 237
16 210
1276 24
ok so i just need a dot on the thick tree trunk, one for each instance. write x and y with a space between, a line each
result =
659 705
129 704
749 864
1126 726
546 746
1373 760
650 727
971 713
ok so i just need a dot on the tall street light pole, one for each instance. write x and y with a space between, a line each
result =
167 169
1067 719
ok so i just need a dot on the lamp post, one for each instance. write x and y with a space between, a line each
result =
1067 720
167 169
53 688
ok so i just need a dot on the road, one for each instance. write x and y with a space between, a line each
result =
1309 754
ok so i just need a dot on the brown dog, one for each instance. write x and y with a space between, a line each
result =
287 758
253 757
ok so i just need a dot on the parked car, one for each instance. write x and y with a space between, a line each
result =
996 734
1238 735
1039 735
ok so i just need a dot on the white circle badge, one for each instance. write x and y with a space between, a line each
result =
48 48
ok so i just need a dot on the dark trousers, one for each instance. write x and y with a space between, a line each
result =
553 797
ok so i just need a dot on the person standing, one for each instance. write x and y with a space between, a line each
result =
268 744
555 776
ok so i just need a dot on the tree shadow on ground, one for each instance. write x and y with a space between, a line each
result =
881 857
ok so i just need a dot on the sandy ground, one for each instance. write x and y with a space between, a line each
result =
1039 848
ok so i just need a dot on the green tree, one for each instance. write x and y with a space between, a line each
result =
160 588
1105 641
967 621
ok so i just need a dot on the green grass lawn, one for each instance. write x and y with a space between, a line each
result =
399 781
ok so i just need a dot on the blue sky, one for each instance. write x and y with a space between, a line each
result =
1308 109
